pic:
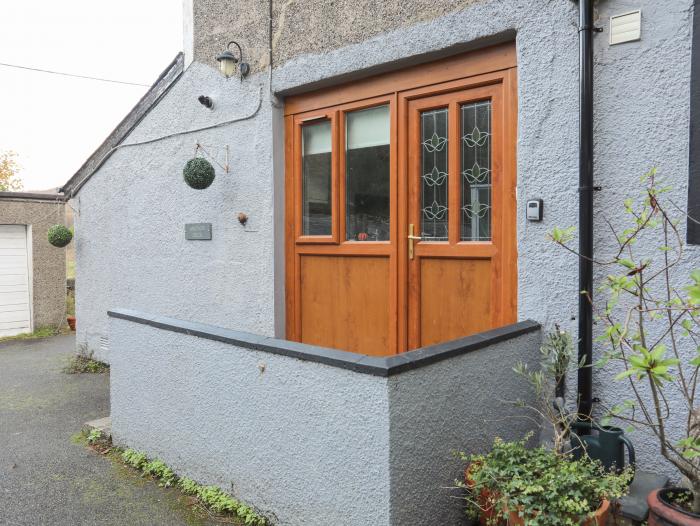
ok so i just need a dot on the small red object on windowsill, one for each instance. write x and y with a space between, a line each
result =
362 236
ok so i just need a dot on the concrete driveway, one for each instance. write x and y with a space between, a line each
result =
45 477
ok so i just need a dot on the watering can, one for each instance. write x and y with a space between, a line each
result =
604 443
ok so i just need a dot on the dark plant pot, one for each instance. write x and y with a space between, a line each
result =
71 322
663 512
600 519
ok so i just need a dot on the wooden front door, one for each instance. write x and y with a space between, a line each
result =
400 205
460 215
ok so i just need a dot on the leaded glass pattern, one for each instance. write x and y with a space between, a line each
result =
434 165
475 214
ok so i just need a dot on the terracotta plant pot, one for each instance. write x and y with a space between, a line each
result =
71 322
600 519
486 501
663 513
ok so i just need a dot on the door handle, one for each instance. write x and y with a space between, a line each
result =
412 237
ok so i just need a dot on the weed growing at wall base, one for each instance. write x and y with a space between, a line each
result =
213 497
83 362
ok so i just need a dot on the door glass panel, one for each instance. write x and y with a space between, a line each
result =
475 223
367 174
434 164
316 179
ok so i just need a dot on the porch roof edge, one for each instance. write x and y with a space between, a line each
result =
384 366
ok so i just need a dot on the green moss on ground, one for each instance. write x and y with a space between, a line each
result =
41 332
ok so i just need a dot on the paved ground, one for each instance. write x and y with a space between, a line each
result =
45 477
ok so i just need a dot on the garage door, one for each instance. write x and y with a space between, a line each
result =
15 311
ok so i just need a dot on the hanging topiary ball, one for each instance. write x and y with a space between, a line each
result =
198 173
60 236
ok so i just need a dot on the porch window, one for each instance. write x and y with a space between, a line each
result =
367 174
400 206
316 179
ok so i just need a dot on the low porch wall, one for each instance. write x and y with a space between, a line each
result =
316 436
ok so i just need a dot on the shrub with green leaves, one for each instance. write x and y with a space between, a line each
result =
198 173
59 235
546 488
650 319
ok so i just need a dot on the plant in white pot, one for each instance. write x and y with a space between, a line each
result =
651 320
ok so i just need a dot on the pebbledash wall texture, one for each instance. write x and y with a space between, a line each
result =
131 250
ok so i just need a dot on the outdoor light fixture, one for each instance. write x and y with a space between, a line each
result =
230 63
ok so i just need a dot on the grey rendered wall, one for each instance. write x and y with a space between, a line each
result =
460 404
305 441
641 106
309 443
642 111
49 262
131 249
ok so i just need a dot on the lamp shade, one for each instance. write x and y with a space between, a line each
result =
227 63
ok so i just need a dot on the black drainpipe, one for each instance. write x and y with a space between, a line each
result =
585 213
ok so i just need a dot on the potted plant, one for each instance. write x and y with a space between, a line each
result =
538 486
651 337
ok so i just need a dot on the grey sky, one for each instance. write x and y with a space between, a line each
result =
54 123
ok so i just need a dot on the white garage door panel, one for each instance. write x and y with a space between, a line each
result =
14 298
13 251
9 280
13 264
15 309
10 243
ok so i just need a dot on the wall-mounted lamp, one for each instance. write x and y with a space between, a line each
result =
230 63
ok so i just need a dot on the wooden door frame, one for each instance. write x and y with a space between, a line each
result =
489 66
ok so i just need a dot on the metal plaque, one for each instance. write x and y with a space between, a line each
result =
198 231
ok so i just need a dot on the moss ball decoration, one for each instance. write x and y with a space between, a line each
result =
198 173
60 236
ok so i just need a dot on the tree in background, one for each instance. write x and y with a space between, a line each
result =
9 180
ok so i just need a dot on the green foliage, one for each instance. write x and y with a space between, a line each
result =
651 325
549 384
562 235
83 362
544 487
198 173
94 436
59 235
652 364
213 497
157 469
134 458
